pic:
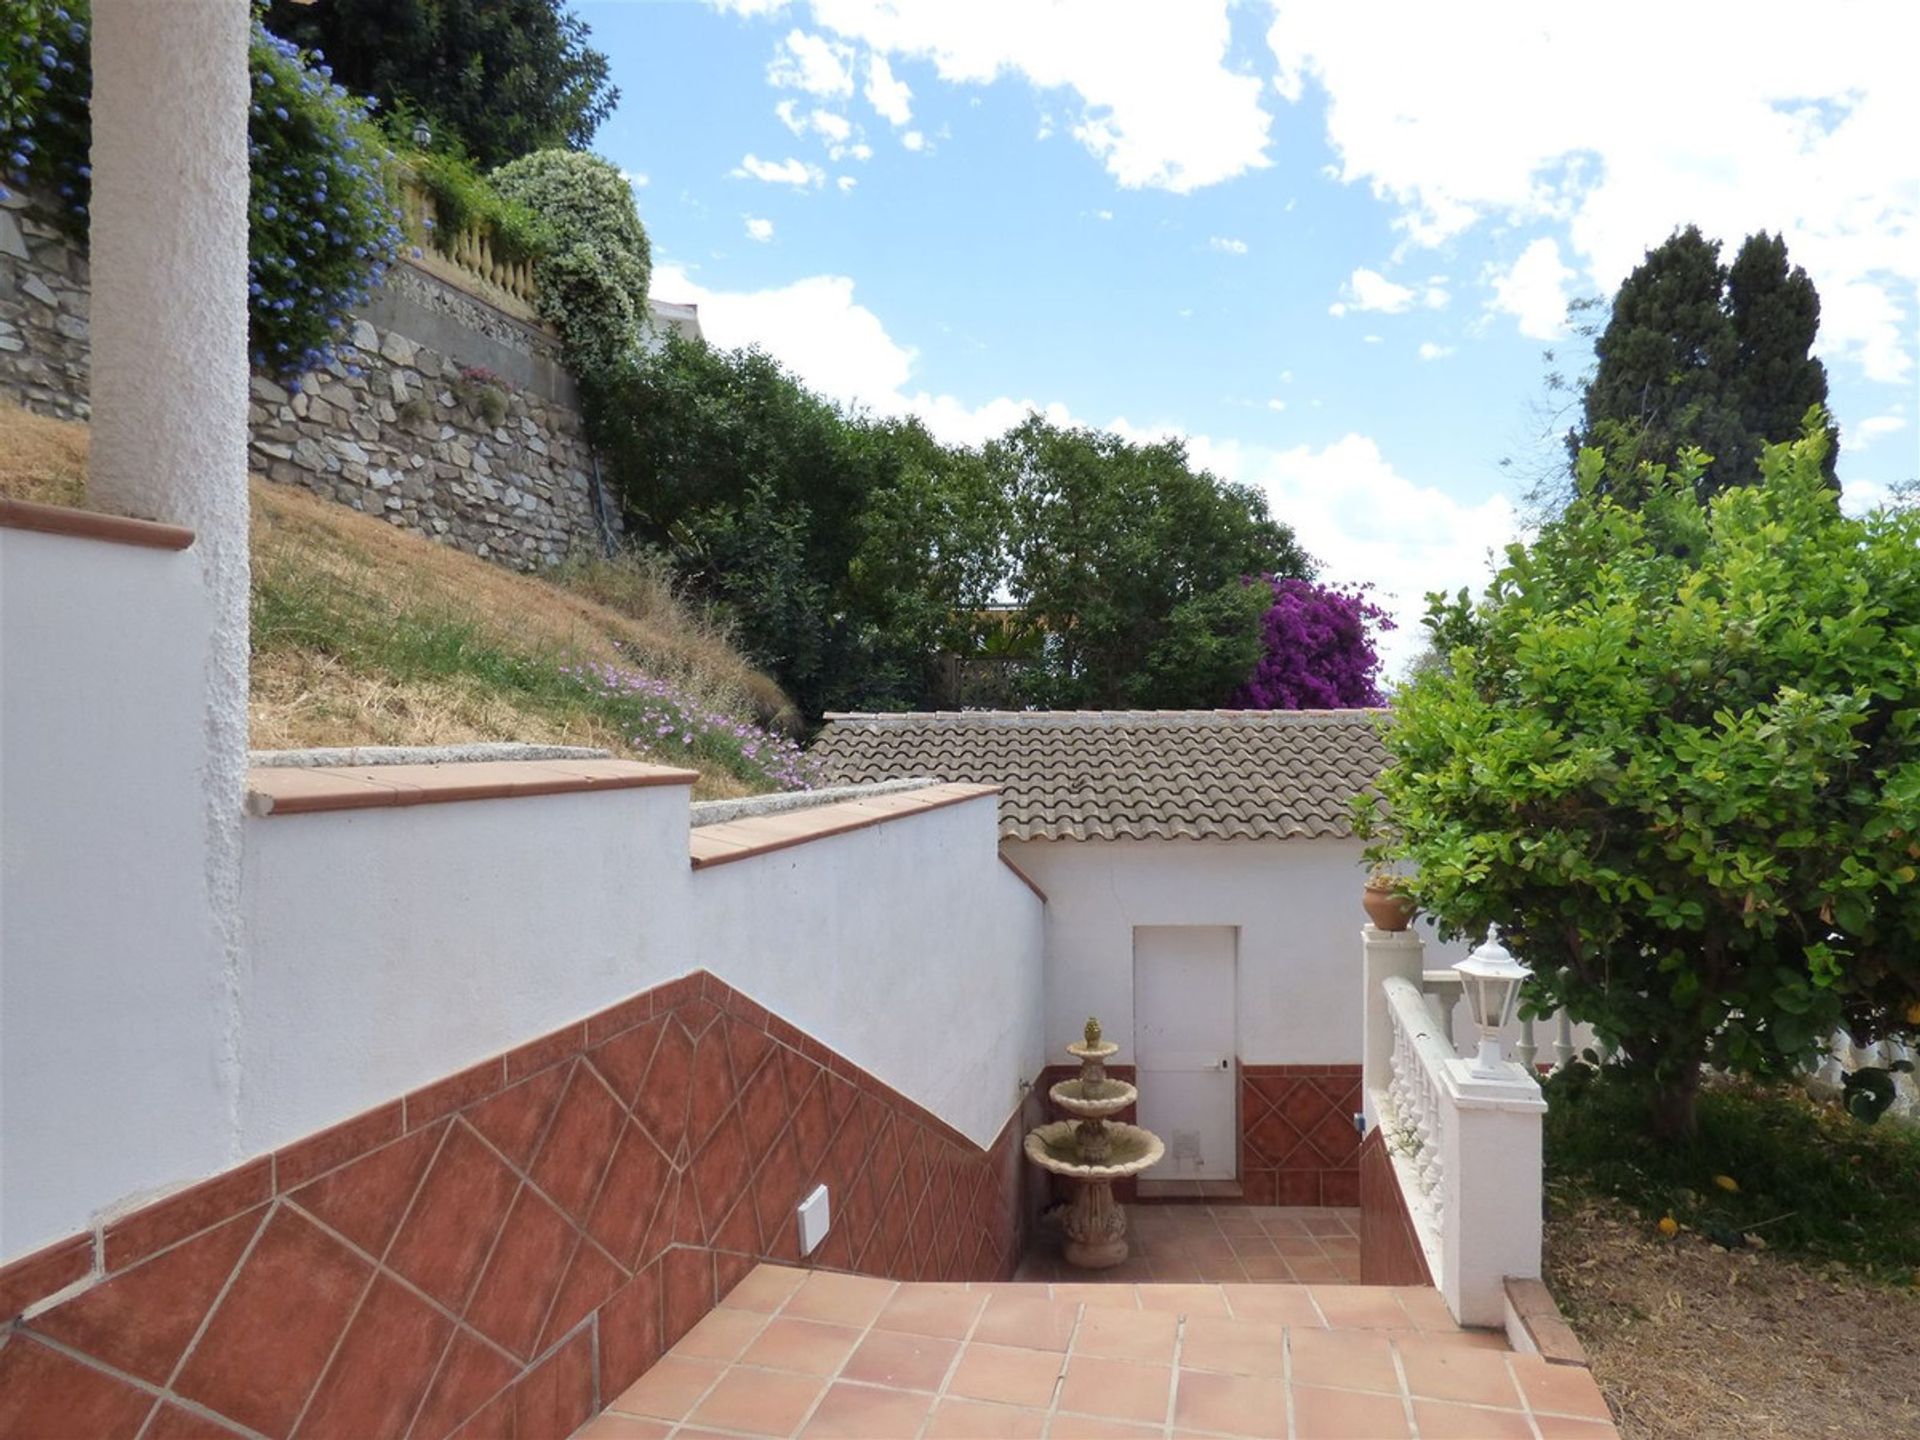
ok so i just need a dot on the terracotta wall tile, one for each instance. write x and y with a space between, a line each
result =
382 1368
141 1320
522 1275
366 1199
346 1141
443 1097
488 1245
471 1373
557 1396
451 1226
1390 1252
193 1209
36 1276
42 1392
272 1333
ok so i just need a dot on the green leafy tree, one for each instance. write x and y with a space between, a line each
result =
1137 567
1675 754
1700 354
846 549
507 76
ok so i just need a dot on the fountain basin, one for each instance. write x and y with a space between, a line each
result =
1056 1148
1093 1100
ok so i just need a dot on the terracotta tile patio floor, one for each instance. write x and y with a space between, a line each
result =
1221 1244
810 1353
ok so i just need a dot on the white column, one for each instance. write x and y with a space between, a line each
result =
168 259
1383 953
1492 1164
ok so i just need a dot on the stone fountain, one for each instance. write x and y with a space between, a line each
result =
1093 1152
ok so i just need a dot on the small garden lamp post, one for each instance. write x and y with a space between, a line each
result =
1491 978
422 135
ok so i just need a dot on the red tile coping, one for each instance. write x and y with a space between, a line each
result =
764 834
509 1248
1546 1329
302 789
1025 879
92 525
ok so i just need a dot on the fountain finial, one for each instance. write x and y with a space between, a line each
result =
1093 1030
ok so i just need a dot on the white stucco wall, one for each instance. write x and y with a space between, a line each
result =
112 1003
388 948
1296 903
908 947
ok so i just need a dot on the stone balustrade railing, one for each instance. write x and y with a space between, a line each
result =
1465 1145
1843 1057
468 249
1413 1113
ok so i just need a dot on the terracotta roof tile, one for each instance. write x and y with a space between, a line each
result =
1129 774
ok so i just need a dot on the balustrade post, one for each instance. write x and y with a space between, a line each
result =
1491 1162
1383 953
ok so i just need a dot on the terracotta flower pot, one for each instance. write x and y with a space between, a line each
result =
1387 909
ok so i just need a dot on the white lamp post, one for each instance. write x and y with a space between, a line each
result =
1491 978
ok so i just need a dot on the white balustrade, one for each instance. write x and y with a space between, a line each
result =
1465 1148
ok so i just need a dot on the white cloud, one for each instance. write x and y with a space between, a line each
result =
634 178
832 126
813 326
890 97
1227 246
1158 104
814 64
1103 215
846 183
1276 404
1860 436
1806 130
1534 290
914 140
1370 290
749 8
833 129
759 229
1431 350
783 172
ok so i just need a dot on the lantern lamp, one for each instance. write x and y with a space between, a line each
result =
1491 978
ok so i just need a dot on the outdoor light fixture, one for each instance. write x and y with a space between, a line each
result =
1491 977
422 136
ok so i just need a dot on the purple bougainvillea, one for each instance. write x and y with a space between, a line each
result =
1317 650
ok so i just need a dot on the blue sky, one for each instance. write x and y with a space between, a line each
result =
1327 243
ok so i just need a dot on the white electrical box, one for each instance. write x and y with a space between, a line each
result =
814 1220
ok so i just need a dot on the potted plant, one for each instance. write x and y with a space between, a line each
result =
1386 901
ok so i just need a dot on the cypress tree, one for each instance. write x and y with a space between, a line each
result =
1776 315
1698 353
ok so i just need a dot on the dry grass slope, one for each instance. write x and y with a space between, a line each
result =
1689 1339
367 635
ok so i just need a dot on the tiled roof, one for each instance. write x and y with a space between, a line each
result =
1129 774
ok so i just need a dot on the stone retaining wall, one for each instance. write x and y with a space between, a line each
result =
454 420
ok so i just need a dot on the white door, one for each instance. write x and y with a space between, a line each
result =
1183 1047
